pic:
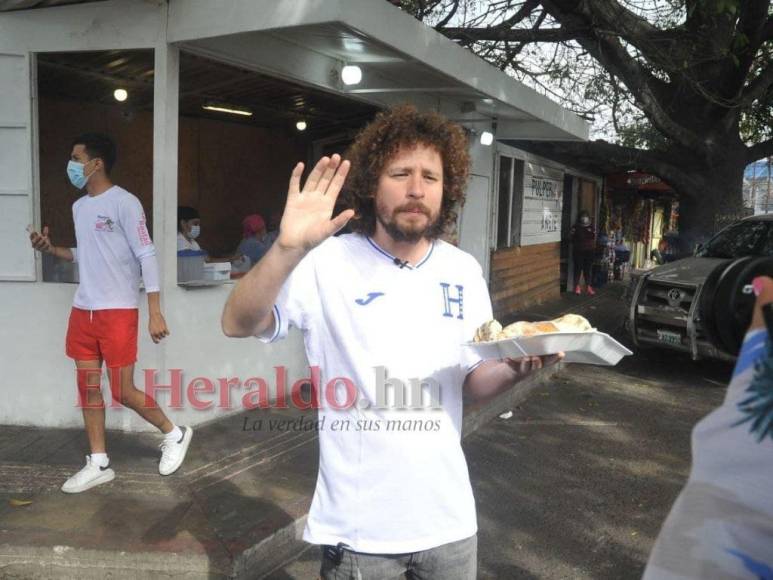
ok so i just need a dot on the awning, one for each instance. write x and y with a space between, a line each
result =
309 41
637 181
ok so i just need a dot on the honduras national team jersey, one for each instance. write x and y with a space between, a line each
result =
391 480
721 526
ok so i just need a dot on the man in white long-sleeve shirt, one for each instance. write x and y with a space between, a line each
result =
113 250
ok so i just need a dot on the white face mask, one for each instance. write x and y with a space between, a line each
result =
195 231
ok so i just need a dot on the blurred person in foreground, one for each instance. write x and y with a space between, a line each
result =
721 525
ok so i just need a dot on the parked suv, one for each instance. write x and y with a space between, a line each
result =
702 304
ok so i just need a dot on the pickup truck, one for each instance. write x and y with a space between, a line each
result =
701 305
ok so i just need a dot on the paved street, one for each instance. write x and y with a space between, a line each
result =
577 483
574 485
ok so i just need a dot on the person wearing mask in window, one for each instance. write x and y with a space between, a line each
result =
188 228
583 245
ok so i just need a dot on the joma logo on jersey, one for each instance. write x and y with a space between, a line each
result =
369 298
453 300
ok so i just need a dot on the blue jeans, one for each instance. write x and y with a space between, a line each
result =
453 561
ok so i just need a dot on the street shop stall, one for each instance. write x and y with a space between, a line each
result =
640 216
282 82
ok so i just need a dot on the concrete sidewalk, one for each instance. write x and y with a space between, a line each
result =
234 510
237 498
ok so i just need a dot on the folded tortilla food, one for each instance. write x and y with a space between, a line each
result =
518 329
572 323
488 331
492 330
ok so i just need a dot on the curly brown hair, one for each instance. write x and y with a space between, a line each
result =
378 143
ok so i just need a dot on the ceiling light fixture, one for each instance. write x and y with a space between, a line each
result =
351 74
228 109
120 95
301 125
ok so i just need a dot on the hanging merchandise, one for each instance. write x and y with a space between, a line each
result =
604 216
629 210
616 221
673 224
640 219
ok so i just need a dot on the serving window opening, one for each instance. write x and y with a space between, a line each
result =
241 133
109 92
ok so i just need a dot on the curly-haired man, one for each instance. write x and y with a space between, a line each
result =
384 311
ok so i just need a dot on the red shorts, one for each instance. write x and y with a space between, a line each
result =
109 335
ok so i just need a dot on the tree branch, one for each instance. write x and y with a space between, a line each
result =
642 86
746 43
658 46
511 54
757 87
767 30
615 104
449 16
650 93
605 157
523 12
760 150
494 33
655 44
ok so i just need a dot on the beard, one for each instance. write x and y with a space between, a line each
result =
406 232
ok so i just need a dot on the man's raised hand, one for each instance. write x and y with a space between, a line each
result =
306 221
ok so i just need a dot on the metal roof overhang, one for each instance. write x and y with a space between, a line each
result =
10 5
309 41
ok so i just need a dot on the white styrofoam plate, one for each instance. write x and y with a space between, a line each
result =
594 348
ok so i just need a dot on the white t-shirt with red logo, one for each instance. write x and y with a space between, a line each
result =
391 480
113 250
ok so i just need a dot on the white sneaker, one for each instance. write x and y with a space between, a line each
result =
88 477
173 452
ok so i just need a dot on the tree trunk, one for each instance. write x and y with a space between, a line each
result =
718 203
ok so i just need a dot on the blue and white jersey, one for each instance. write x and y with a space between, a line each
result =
396 479
721 526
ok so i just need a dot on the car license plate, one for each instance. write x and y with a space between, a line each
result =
669 337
